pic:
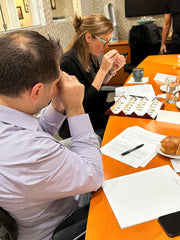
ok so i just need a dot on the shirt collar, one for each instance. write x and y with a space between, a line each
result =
17 118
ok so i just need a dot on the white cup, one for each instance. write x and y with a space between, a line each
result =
172 90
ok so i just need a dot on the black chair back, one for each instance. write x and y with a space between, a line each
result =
8 226
144 40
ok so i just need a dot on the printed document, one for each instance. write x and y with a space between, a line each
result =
145 90
143 196
130 138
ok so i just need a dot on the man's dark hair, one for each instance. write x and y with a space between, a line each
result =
27 58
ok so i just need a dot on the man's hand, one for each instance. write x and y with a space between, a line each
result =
69 93
163 49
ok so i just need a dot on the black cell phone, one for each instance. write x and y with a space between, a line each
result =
171 223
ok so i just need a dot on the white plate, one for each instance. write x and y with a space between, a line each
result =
163 88
166 155
178 105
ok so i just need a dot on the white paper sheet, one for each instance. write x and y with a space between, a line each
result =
144 80
143 196
162 77
168 116
130 138
176 164
161 96
145 90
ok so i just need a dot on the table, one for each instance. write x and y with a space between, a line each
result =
153 64
102 223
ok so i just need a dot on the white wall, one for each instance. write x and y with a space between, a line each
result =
123 23
63 30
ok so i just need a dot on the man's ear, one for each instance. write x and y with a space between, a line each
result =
88 37
36 91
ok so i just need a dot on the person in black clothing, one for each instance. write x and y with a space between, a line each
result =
93 34
172 13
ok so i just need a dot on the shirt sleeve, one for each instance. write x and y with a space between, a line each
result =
167 7
63 172
51 120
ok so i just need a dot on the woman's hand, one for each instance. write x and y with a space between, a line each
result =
118 63
108 60
112 61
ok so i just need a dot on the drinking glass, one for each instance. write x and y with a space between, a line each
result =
172 90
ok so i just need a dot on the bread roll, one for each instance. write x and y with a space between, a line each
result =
171 145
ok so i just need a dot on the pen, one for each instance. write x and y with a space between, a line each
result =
137 96
131 150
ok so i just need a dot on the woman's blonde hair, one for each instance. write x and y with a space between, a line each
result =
96 24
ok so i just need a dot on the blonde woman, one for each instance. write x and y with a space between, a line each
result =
92 36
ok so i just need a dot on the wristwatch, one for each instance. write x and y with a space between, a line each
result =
112 74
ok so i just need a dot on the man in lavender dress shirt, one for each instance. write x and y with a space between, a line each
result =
40 179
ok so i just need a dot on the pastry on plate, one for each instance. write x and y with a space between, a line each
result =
170 145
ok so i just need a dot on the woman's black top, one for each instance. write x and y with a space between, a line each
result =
94 101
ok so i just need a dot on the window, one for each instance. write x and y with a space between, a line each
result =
16 14
65 9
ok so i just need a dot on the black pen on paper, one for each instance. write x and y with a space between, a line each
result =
131 150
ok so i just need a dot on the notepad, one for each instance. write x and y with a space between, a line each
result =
143 196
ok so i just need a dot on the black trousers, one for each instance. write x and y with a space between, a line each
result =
175 45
